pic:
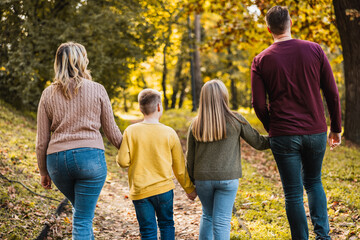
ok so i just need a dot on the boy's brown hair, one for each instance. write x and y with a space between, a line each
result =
148 100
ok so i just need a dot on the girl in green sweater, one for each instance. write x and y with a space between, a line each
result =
214 159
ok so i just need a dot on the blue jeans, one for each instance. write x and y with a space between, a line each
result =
299 159
217 199
80 175
162 206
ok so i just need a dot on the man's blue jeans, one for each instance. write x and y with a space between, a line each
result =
162 206
80 175
299 159
217 199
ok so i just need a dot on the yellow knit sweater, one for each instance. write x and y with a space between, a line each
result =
152 152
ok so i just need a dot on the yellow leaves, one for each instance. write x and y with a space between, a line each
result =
352 13
243 69
338 59
2 68
67 220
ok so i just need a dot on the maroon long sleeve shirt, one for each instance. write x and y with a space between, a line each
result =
292 73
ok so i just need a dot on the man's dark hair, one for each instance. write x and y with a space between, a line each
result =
278 19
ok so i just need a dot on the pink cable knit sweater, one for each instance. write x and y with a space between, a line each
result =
67 124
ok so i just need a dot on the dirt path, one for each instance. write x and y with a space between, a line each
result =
115 214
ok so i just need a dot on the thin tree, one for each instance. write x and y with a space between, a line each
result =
197 64
193 85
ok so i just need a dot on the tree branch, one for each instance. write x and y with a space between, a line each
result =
241 222
13 181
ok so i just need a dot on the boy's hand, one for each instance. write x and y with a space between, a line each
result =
192 195
334 140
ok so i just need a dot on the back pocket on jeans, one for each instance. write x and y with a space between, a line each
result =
88 159
285 144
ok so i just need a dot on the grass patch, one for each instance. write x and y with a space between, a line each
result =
260 201
179 120
341 176
260 204
22 214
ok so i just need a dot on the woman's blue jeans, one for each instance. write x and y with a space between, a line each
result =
299 159
217 199
162 206
80 175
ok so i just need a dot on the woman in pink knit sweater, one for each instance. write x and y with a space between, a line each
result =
69 146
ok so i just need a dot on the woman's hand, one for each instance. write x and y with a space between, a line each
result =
46 181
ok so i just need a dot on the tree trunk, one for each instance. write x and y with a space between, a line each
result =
349 30
183 84
193 85
234 102
177 77
125 102
197 71
174 94
166 102
233 90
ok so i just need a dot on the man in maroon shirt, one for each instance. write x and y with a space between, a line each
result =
291 73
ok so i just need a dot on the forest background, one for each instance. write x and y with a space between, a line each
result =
172 46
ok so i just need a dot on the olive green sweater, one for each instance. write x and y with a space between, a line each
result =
221 160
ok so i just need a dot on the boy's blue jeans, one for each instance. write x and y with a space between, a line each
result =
217 199
162 206
80 175
299 159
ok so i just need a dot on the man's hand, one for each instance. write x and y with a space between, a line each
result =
46 181
192 195
334 140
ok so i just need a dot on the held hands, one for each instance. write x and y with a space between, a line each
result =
192 195
46 181
334 140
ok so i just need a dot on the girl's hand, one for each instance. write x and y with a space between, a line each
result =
46 181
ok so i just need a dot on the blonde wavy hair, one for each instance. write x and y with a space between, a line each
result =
70 66
214 112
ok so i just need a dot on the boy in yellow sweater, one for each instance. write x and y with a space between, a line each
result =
152 151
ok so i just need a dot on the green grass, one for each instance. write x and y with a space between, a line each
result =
260 200
259 203
22 214
341 176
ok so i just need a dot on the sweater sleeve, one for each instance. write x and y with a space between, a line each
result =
123 157
259 96
178 165
190 154
108 123
252 137
42 136
331 93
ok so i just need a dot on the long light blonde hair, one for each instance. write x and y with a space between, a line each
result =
70 66
214 111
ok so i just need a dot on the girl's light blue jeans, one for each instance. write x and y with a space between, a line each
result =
80 175
217 199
